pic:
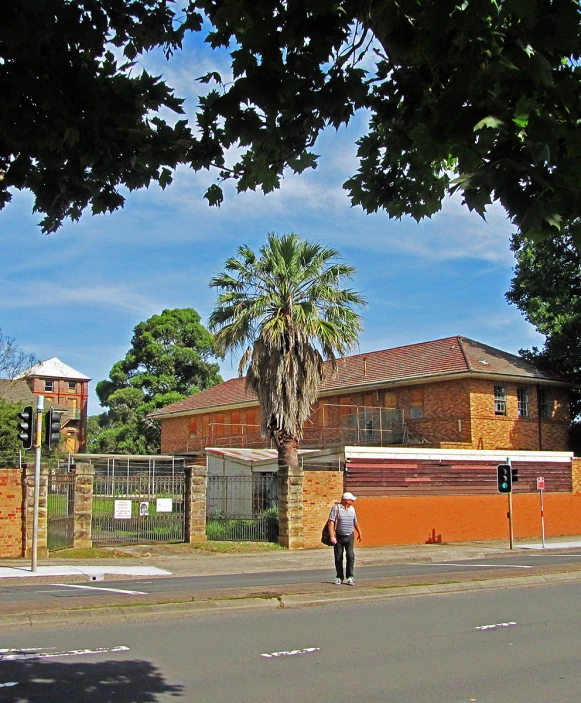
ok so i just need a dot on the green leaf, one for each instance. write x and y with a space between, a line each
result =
490 121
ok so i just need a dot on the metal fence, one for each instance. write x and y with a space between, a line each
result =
137 509
112 465
60 510
242 508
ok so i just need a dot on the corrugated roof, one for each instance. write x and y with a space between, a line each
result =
442 357
54 368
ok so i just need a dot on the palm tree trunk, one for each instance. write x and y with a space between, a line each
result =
290 491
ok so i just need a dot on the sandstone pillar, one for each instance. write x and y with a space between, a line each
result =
290 507
195 503
84 475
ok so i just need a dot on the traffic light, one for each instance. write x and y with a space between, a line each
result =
514 475
26 427
53 428
504 478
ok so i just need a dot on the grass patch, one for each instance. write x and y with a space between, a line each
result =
87 553
232 547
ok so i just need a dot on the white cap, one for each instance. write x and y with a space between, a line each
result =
348 496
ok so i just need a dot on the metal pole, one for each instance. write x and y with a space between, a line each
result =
542 518
510 520
37 457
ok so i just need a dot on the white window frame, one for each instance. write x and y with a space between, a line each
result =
523 400
500 399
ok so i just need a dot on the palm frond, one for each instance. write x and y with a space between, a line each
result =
288 308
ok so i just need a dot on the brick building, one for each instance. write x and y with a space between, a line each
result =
67 390
451 393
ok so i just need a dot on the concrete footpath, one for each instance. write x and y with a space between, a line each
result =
150 561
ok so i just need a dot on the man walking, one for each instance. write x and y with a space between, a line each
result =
342 527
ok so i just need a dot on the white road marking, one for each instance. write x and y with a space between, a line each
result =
477 566
21 655
8 683
22 649
559 556
99 588
291 652
491 627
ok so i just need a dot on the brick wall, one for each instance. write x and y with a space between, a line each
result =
321 490
175 433
10 513
576 475
448 414
491 431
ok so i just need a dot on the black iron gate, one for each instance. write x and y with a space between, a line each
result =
60 510
137 509
242 508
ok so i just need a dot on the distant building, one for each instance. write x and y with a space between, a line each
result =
67 390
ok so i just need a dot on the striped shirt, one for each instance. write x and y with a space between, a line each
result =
346 520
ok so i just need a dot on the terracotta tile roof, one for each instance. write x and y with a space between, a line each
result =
442 357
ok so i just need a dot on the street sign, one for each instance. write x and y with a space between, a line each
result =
541 483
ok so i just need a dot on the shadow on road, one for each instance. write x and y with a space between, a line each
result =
133 681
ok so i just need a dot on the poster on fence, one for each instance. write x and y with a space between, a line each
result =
122 510
164 505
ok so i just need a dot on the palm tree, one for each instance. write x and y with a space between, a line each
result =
287 311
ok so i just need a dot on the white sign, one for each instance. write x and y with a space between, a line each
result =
144 508
541 483
122 510
164 505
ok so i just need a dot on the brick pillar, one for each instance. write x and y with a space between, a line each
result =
290 507
576 475
195 503
84 475
41 547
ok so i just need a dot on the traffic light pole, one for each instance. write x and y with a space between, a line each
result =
510 525
511 530
37 456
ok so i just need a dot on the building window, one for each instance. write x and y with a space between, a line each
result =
72 386
523 402
500 400
416 412
49 386
545 404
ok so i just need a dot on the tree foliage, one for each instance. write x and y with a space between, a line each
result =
546 288
10 445
169 359
13 360
476 96
288 311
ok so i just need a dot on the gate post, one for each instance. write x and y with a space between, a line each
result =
84 475
290 507
195 503
41 547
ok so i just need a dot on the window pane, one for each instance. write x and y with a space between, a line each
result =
523 402
499 400
544 403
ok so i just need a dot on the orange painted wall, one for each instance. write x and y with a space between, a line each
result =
421 519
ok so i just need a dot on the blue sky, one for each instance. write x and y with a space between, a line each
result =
77 294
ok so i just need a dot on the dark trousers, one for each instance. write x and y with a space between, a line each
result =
344 544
